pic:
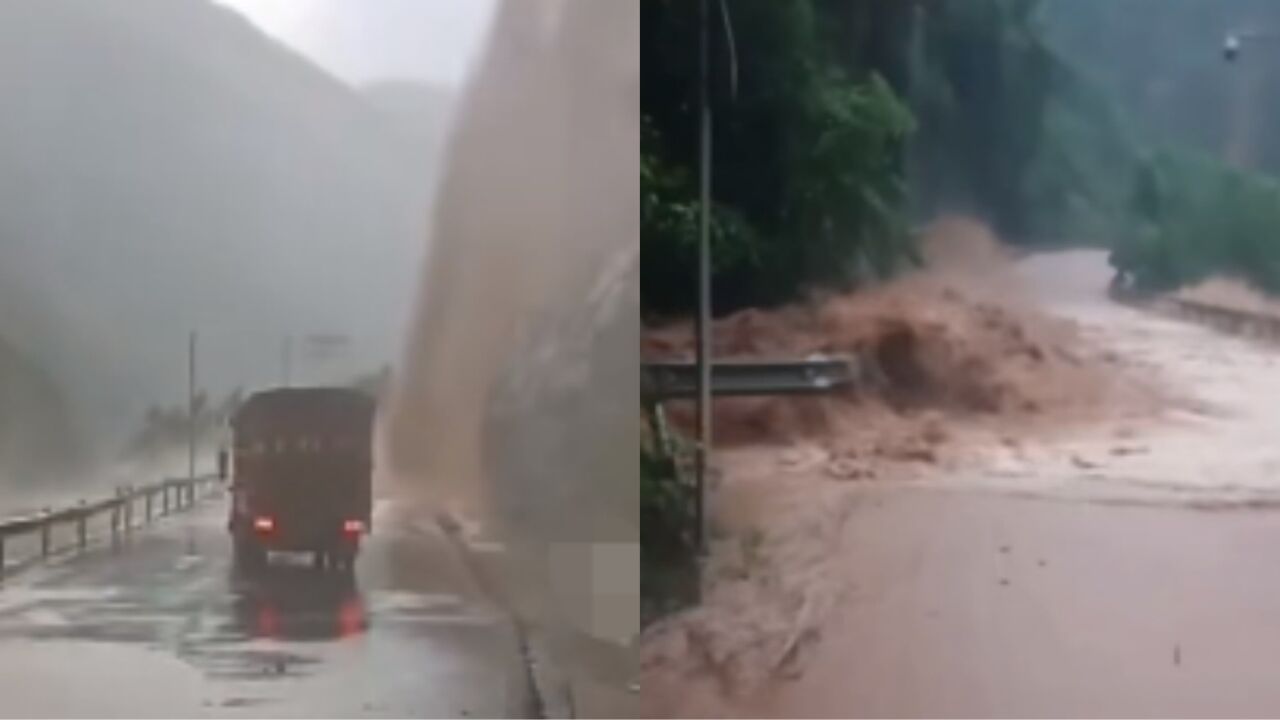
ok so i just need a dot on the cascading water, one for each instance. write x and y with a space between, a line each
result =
516 400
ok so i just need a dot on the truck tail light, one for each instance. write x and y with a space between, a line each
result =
264 524
353 527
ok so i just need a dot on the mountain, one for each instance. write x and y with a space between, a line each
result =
417 112
164 167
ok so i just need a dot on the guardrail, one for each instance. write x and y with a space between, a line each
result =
1231 320
129 509
1235 321
679 379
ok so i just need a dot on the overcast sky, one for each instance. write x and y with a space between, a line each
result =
368 40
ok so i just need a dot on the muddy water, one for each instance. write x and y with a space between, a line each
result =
515 404
959 590
1212 444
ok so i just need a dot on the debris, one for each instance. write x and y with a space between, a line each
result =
934 432
1004 581
1004 549
793 457
913 453
1177 654
846 469
1083 464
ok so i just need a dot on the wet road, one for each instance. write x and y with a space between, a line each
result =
166 626
970 604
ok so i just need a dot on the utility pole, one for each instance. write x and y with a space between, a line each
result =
704 291
1241 130
191 406
286 359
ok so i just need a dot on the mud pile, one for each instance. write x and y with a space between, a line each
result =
958 338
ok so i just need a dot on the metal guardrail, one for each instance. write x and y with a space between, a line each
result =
157 500
675 380
661 381
1231 320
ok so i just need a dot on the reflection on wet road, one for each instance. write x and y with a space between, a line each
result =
168 626
296 603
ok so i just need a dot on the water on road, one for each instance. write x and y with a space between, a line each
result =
166 626
1121 567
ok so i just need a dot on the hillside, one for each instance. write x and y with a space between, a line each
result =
416 112
164 166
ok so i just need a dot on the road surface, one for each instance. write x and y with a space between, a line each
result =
166 627
985 605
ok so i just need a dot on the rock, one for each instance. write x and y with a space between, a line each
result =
846 469
934 433
1082 463
793 457
918 454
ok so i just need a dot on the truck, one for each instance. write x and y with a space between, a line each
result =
302 475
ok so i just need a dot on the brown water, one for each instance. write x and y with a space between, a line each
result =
825 596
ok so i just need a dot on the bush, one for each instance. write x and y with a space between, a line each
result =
1193 217
668 578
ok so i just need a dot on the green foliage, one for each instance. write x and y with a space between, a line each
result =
807 163
838 104
1192 217
981 84
668 564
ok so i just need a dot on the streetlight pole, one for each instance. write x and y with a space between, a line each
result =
286 359
1238 150
704 291
191 405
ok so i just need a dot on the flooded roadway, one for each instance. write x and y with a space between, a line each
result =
165 626
1073 580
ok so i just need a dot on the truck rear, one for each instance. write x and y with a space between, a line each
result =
302 474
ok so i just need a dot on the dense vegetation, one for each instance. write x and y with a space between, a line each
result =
807 164
1205 202
842 122
1195 217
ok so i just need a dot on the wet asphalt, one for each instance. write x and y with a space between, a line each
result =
164 624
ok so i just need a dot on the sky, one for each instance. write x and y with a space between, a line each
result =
363 41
